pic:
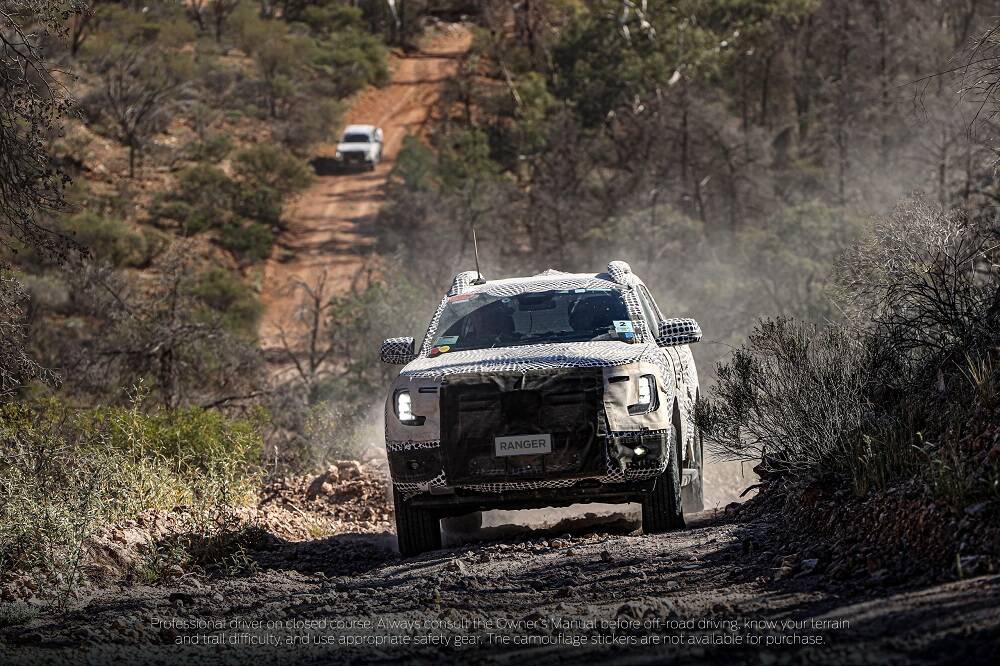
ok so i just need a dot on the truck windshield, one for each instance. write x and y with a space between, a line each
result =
355 138
482 321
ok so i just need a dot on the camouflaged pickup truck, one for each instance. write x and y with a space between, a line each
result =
549 390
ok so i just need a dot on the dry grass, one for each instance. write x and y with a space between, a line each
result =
904 389
65 474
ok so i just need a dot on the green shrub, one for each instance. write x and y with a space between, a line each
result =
191 440
465 160
260 203
326 18
108 239
268 165
226 294
201 199
212 150
797 396
352 59
243 209
65 473
308 124
904 389
415 166
249 242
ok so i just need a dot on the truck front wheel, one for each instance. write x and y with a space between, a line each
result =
417 530
661 507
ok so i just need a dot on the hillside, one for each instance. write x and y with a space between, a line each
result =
197 462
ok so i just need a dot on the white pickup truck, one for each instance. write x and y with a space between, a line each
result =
360 145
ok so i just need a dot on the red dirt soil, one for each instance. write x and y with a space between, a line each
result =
330 227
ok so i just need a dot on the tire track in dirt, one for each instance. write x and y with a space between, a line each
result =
330 227
696 589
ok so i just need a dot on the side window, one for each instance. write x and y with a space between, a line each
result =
652 303
649 309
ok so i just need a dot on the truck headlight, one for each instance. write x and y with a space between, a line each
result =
338 155
404 409
648 398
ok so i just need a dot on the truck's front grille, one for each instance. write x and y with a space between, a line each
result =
567 406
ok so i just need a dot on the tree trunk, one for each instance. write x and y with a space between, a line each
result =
843 104
78 32
943 168
685 152
803 86
765 89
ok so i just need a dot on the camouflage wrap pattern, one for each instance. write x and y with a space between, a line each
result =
673 366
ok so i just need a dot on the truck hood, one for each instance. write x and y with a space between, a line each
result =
354 147
529 358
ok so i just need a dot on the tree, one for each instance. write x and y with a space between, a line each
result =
87 18
221 10
16 367
196 10
267 165
32 106
143 71
165 333
304 346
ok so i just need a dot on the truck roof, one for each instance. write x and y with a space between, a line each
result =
619 275
360 129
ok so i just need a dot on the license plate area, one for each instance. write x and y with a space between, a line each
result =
497 428
522 445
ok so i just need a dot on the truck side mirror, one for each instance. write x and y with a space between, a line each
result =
676 332
397 351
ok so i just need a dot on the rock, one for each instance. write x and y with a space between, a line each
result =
721 608
605 555
808 566
350 469
637 573
673 585
180 598
324 484
789 561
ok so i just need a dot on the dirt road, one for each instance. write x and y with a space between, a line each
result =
329 227
575 593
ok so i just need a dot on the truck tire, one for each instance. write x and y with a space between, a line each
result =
417 530
661 507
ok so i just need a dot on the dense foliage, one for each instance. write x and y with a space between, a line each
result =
904 388
64 474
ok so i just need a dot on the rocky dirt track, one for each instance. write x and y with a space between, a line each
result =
579 590
329 227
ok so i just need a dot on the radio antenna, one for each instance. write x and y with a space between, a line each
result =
475 246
